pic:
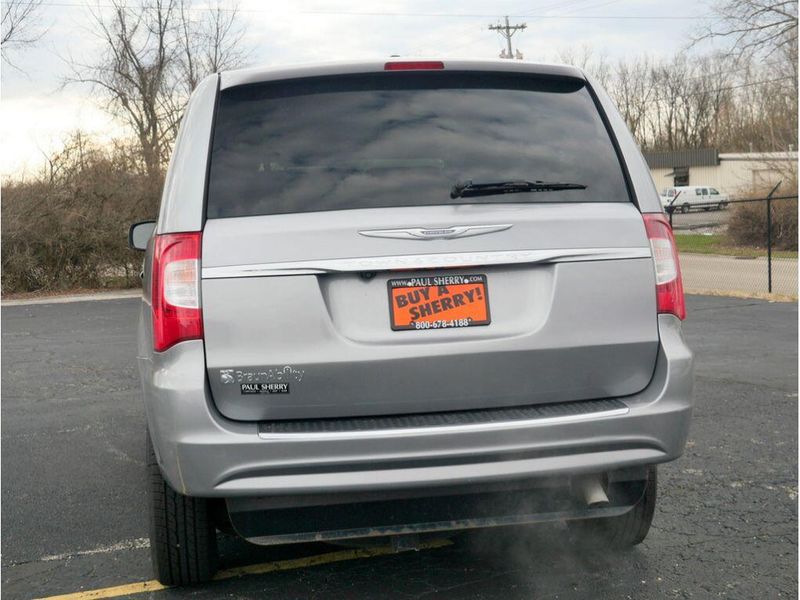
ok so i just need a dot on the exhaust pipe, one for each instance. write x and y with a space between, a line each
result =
590 490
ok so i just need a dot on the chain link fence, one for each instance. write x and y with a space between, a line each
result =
730 244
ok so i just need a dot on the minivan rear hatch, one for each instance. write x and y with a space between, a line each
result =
394 243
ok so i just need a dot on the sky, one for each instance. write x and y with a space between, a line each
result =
37 111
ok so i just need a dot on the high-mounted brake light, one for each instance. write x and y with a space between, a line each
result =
418 65
669 287
177 314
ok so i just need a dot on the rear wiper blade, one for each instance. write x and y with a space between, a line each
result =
468 189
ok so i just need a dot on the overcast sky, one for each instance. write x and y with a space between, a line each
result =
37 113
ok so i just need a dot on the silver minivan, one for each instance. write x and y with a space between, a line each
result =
384 299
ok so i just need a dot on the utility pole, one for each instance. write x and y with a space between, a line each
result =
507 31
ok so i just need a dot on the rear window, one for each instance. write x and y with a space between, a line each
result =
405 139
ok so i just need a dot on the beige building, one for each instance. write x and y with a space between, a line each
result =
730 173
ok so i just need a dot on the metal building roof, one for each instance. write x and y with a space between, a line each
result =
699 157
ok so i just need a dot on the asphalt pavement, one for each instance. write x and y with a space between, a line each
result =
73 501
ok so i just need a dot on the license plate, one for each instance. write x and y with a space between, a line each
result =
438 302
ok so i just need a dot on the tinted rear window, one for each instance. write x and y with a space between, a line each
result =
404 139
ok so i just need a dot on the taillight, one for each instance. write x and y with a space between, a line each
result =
177 315
414 65
669 287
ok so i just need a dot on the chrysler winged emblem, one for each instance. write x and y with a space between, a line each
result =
438 233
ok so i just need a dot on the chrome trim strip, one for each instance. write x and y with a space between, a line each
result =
423 261
443 430
436 233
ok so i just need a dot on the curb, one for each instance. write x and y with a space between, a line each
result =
119 295
743 295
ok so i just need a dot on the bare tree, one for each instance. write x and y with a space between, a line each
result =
584 57
211 43
155 53
133 70
208 41
756 27
733 103
20 25
634 92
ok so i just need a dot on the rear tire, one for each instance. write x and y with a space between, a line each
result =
621 532
183 539
685 208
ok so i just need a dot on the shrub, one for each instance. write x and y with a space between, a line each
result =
67 228
748 221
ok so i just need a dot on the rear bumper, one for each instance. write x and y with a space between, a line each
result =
204 454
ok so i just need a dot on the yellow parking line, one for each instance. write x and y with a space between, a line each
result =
141 587
128 589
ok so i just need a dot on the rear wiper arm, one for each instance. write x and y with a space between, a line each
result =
468 189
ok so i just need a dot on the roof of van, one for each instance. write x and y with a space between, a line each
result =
272 73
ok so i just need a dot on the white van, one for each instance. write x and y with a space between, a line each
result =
687 197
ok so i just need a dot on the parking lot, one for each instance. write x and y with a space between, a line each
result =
74 511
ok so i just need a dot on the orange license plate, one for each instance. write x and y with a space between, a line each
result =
438 302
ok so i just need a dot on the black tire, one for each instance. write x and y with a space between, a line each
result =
625 531
722 205
183 539
685 208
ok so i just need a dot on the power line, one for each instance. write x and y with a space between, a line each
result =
659 95
741 85
572 9
731 70
727 71
560 5
392 14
